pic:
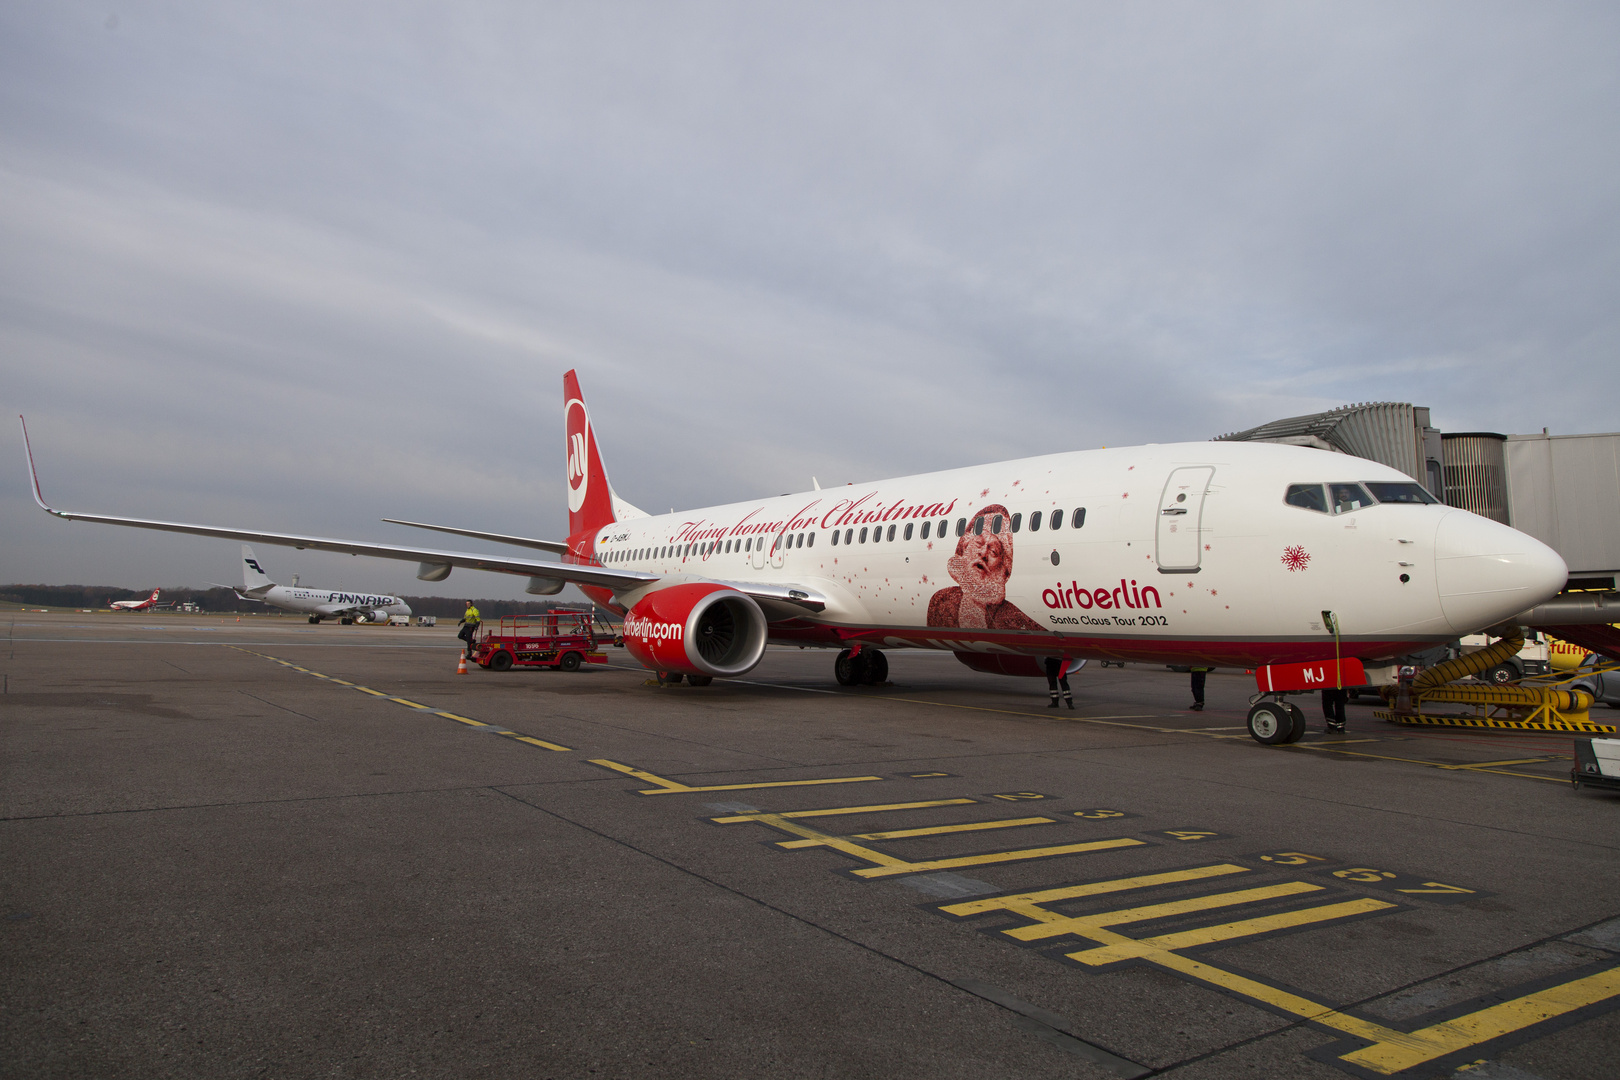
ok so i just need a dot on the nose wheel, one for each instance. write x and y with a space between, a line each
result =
1276 722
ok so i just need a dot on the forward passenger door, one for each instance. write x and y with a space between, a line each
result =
1181 519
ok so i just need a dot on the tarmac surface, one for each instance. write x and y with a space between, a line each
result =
264 848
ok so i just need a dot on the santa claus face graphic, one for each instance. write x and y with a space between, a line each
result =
983 563
981 566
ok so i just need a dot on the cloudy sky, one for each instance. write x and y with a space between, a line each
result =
300 266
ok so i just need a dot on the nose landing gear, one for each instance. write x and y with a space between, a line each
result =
1275 721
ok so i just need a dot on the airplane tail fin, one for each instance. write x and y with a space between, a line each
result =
153 598
253 575
592 502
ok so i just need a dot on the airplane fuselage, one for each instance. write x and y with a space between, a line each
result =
1146 553
330 603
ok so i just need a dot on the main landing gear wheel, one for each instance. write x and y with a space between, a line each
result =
848 669
1299 721
569 661
877 667
1272 723
501 661
669 678
316 619
699 680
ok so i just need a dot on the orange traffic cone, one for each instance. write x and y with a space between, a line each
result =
461 665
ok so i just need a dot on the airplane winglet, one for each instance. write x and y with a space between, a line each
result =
33 474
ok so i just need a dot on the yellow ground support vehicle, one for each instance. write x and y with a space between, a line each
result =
1544 704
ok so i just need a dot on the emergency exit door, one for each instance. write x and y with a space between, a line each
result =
1181 519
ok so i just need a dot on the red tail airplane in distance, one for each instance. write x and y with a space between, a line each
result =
1224 553
135 605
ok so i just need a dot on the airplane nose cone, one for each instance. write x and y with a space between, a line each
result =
1487 572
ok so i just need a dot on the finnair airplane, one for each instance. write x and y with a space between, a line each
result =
318 604
1226 554
135 605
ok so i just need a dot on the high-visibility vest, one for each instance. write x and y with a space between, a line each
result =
472 618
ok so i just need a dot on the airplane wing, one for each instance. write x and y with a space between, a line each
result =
798 596
241 594
555 546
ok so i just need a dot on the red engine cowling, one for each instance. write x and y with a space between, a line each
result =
696 630
1007 664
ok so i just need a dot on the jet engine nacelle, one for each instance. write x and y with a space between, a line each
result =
378 615
696 629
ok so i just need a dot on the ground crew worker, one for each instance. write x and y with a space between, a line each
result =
1333 699
1198 674
469 627
1056 676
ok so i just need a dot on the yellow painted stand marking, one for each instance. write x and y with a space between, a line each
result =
675 787
532 741
1079 925
1028 904
1333 749
461 719
409 704
1493 764
886 865
1390 1056
936 830
999 857
1390 1051
735 818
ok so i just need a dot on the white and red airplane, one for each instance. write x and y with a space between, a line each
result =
1225 554
134 605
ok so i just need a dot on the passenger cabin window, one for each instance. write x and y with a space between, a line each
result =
1349 497
1306 497
925 529
811 542
908 530
1079 521
1057 519
961 526
835 538
863 534
1399 493
1017 520
848 533
1035 520
891 534
995 525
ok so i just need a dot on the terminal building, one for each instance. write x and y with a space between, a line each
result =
1562 489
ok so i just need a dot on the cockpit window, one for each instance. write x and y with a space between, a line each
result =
1348 497
1307 497
1400 493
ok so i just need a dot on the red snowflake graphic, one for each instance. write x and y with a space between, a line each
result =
1295 558
983 493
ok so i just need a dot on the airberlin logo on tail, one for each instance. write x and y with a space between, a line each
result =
1125 596
579 468
635 626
